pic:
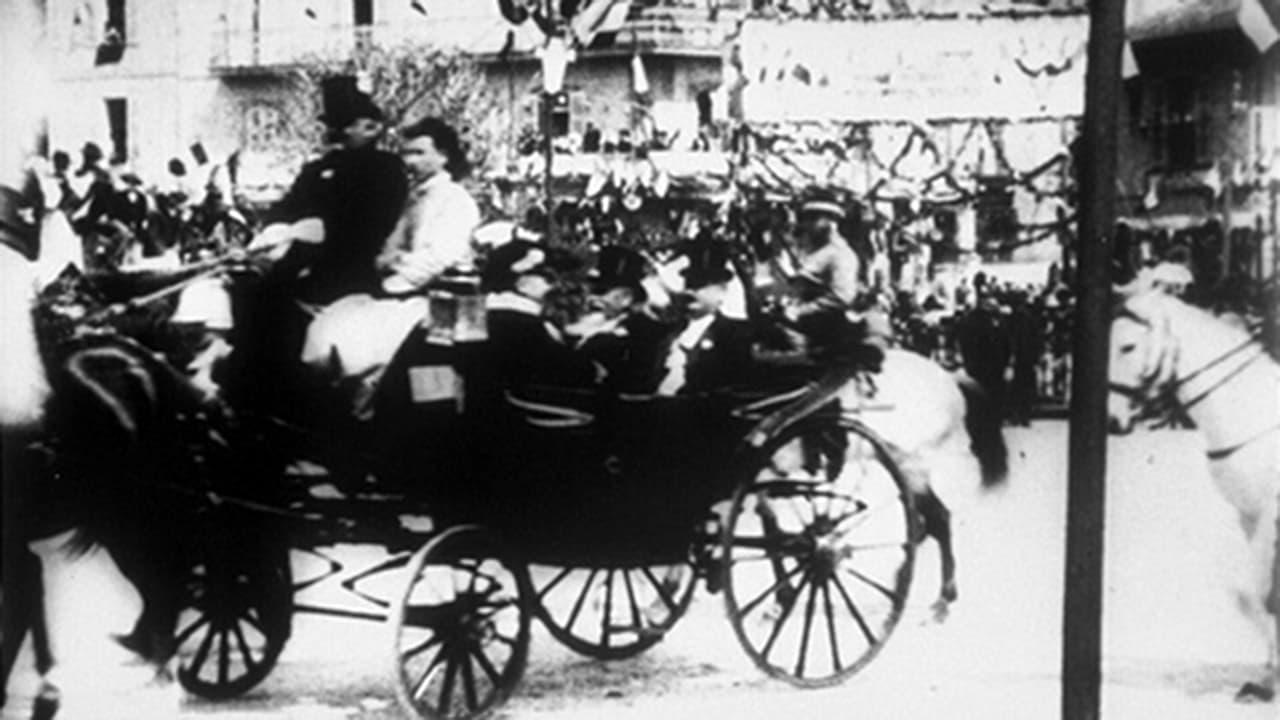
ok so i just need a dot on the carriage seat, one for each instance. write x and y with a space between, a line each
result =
548 407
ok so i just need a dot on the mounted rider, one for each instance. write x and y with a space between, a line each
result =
826 287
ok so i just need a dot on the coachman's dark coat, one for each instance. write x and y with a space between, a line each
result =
358 194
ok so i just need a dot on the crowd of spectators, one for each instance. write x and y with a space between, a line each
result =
1014 339
122 219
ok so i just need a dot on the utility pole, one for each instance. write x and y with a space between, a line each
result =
1086 491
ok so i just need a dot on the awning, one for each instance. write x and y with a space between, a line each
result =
1172 222
1185 34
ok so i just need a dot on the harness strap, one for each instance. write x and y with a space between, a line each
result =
1221 381
1223 453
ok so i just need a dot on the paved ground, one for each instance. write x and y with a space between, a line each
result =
1175 647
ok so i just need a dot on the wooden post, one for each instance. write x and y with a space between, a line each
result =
1271 297
1086 492
1228 202
548 157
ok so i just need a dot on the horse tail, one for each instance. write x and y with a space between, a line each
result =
986 438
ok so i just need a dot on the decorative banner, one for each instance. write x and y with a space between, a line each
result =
916 69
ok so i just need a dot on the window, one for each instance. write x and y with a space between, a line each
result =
262 125
1174 116
115 19
118 126
363 12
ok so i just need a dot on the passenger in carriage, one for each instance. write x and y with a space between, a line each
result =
709 350
622 331
528 348
434 231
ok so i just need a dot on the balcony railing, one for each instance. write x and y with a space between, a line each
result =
243 49
238 49
674 29
685 36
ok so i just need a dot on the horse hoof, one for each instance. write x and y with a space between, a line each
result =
940 611
950 593
46 704
163 678
1255 692
134 644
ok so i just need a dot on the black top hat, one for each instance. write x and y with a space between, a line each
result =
344 103
508 262
708 265
617 266
19 222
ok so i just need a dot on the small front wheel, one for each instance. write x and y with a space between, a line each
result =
818 552
234 623
461 630
614 612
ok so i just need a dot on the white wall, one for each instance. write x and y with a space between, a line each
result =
23 77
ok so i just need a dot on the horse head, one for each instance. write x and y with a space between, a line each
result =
1143 358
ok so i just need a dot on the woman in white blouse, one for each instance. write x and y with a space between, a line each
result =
434 232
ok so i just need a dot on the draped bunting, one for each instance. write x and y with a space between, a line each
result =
914 68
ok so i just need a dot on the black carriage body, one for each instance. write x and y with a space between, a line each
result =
614 492
566 476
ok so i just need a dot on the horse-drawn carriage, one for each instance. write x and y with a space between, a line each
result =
595 512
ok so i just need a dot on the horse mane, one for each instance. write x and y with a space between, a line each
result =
116 417
1170 320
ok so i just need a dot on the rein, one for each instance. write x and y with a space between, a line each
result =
1225 378
1165 401
199 271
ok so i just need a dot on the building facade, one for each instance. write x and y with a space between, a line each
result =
953 122
1200 143
148 79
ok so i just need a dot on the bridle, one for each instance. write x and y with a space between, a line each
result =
1160 399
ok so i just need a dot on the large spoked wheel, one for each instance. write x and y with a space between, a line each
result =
818 550
461 631
235 623
613 612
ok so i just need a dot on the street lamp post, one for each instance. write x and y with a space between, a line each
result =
555 57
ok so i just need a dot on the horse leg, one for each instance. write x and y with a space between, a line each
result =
771 530
151 636
1258 605
18 609
25 611
937 525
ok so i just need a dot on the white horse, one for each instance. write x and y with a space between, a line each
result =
942 428
1167 355
24 390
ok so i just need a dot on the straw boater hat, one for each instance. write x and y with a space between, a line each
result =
823 203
